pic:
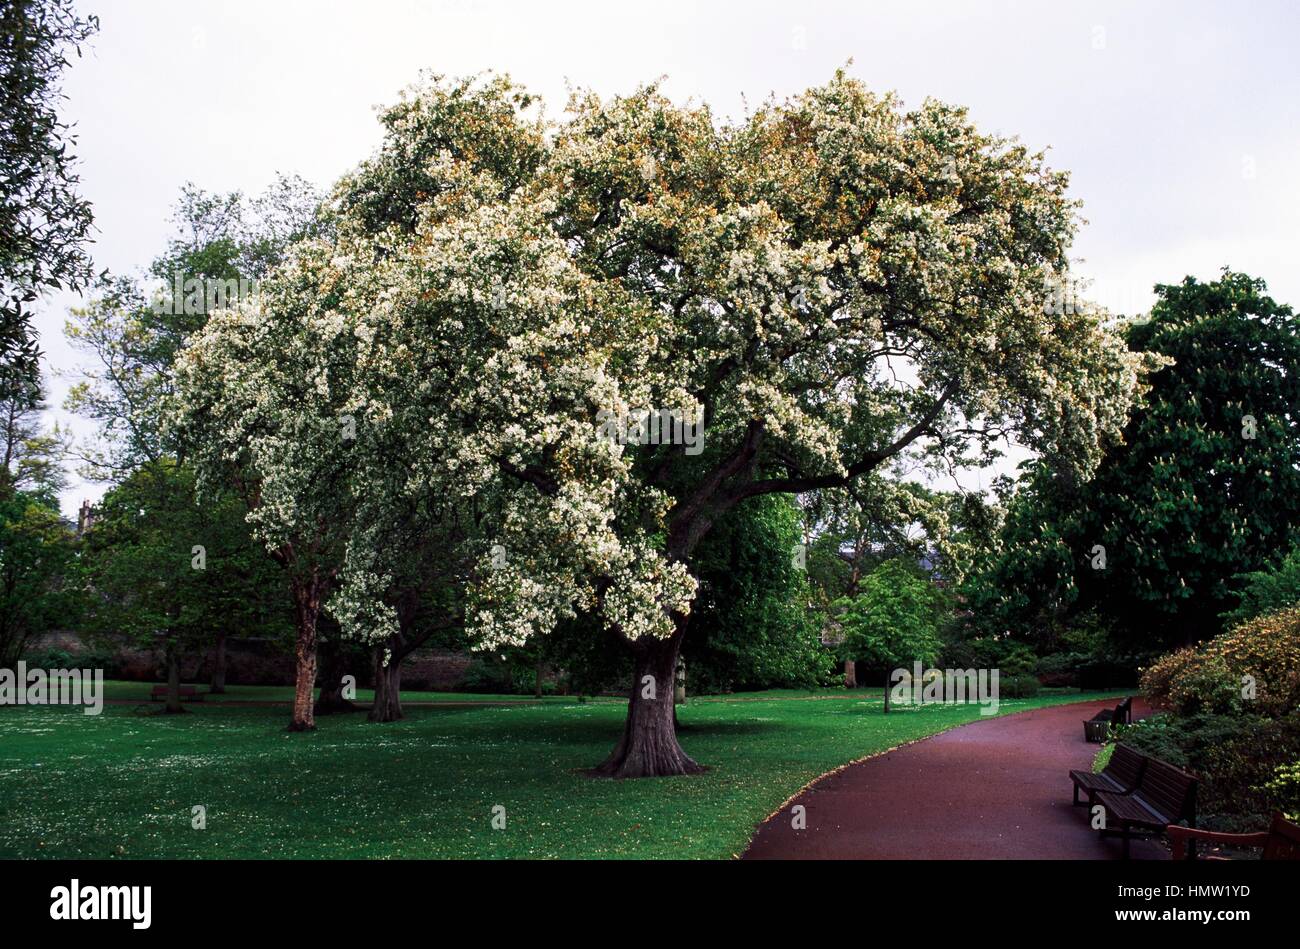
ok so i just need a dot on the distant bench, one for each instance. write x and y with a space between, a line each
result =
1097 728
188 693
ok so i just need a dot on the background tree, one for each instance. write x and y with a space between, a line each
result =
752 626
133 329
1205 488
174 577
854 530
32 456
38 588
896 620
1208 485
38 570
44 224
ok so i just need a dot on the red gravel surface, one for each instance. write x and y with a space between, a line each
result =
995 789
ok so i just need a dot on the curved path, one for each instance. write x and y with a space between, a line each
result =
994 789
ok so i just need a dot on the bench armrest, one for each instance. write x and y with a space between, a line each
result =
1179 835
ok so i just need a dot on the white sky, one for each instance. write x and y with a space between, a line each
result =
1178 120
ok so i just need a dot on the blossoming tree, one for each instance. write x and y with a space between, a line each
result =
822 289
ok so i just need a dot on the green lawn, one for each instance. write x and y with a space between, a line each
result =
122 784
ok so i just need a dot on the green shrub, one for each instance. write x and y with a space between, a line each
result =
490 676
1284 789
1237 757
1017 662
51 658
1059 668
1109 673
1102 758
1212 677
56 658
1018 687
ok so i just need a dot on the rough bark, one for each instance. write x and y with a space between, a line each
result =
218 686
649 748
388 688
173 705
850 674
306 595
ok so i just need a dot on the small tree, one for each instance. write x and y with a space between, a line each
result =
896 620
167 573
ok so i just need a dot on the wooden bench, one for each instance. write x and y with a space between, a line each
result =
1164 795
1280 842
1121 775
187 692
1097 728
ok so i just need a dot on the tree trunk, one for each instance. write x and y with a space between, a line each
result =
537 676
850 674
649 748
887 686
334 666
306 610
173 705
218 686
388 688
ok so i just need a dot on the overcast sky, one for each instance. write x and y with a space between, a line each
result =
1178 120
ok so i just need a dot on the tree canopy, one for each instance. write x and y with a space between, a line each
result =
831 284
44 223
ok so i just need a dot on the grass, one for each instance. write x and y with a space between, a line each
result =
1103 757
122 784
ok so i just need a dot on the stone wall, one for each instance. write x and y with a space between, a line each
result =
262 662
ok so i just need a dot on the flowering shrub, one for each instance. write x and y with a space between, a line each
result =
1158 679
1284 789
1255 665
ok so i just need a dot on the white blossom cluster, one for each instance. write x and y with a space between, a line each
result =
826 286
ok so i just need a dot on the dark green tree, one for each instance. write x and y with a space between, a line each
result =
167 572
752 626
1204 488
37 567
44 223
